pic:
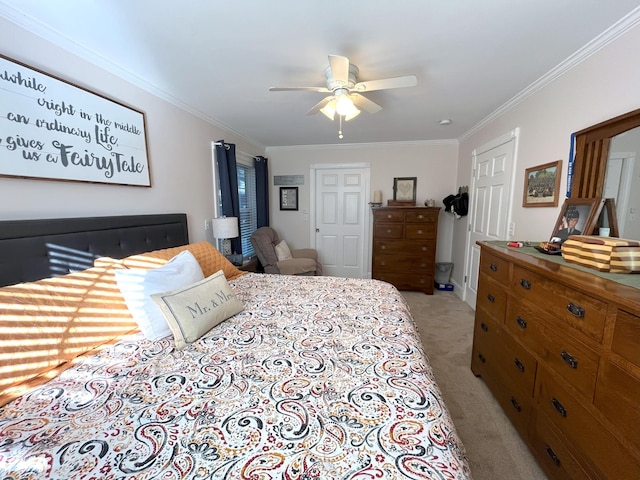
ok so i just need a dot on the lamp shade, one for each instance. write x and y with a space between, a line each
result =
225 227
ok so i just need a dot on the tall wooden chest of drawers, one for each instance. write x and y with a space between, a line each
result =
404 246
559 347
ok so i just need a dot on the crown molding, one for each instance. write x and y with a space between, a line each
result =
614 32
56 38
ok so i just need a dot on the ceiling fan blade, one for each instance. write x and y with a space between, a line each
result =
365 104
339 69
386 83
316 108
302 89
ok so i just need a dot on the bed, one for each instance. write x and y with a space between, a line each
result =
316 377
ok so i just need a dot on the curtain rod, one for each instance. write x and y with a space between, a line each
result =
226 147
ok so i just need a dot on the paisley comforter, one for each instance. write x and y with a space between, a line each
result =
318 378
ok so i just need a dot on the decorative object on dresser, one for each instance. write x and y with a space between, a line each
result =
577 217
559 347
404 246
404 191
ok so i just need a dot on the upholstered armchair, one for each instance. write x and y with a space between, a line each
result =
276 257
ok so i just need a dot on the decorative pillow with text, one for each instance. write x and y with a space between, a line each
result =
193 310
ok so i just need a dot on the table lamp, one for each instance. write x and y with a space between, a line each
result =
224 229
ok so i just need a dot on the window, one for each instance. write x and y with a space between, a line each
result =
248 208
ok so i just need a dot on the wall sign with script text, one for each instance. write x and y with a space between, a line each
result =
52 129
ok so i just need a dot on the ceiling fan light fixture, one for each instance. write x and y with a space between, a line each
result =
344 105
329 110
355 113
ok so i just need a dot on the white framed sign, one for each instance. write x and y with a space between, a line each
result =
52 129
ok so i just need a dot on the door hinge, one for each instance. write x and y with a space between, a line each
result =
465 279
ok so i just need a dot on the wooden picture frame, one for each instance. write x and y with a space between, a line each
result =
53 129
578 216
542 185
288 198
404 189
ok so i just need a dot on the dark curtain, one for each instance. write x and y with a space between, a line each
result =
262 191
228 175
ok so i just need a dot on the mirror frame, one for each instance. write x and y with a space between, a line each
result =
592 153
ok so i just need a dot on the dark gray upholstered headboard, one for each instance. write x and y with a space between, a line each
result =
35 249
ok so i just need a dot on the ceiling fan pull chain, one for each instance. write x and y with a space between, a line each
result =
340 130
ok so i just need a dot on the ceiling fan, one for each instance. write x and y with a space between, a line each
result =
342 83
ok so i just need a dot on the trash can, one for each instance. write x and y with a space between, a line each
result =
443 272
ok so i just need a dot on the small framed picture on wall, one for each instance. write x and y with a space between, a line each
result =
288 198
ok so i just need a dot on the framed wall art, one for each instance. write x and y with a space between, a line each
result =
288 198
53 129
542 185
404 189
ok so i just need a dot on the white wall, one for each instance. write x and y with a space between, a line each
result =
605 85
433 163
179 146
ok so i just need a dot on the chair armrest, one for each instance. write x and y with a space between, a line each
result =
305 253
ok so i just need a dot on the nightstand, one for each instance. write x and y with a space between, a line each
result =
250 266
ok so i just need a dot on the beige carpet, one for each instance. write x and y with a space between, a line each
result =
494 448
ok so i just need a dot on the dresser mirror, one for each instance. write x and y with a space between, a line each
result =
607 162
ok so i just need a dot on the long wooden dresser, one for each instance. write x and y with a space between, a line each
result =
559 348
404 246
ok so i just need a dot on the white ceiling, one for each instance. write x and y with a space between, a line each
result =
218 58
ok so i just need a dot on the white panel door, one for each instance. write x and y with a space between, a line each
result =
490 199
340 208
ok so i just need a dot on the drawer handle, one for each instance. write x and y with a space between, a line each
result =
519 364
388 215
521 322
419 232
424 249
524 283
552 455
388 230
575 310
493 267
420 217
569 359
481 357
484 327
382 247
559 407
491 298
515 404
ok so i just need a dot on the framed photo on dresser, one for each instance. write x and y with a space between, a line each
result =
577 217
404 189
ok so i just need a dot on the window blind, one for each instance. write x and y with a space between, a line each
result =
247 197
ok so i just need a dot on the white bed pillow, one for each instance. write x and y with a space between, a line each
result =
193 310
282 251
136 286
